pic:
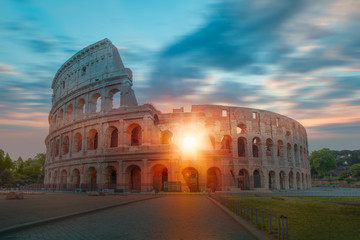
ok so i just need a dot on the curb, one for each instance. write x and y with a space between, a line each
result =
53 219
254 231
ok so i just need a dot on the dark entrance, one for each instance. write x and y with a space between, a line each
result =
257 179
271 180
135 178
191 177
160 176
243 180
214 179
111 178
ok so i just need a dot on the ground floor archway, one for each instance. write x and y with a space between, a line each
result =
243 180
191 177
282 177
291 180
213 180
111 177
92 178
134 178
257 179
160 175
75 178
272 180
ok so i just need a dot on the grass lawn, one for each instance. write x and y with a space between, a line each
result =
313 217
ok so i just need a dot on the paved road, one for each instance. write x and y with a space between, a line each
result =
168 217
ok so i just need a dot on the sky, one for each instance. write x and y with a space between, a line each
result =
298 58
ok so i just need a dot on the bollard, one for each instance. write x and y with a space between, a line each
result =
279 229
251 214
286 228
263 223
282 227
269 223
256 216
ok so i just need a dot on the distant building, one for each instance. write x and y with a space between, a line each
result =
100 138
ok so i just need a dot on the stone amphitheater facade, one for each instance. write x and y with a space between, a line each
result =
100 138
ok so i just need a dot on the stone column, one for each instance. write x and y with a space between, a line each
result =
119 175
145 182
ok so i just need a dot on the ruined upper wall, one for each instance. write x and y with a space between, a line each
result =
94 63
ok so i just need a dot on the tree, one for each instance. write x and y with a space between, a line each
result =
322 161
6 163
355 170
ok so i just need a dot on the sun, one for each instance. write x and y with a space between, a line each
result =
189 143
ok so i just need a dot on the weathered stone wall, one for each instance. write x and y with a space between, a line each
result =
100 138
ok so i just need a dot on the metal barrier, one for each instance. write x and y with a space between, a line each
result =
264 220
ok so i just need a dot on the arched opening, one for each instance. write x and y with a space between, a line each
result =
134 181
69 112
156 119
96 103
213 179
115 98
54 180
57 147
75 178
160 176
288 151
243 180
77 142
256 147
301 155
241 147
291 180
298 180
92 178
166 137
226 142
111 177
269 147
136 136
80 108
191 177
303 181
296 153
63 180
272 180
92 142
114 138
61 116
280 150
257 179
282 177
65 145
241 128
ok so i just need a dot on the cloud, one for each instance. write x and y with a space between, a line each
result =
8 69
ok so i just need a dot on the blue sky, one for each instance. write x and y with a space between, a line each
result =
297 58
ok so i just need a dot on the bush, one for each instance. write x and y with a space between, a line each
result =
355 170
344 174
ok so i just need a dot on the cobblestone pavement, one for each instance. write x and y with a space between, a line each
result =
167 217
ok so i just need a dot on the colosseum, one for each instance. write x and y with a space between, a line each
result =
100 138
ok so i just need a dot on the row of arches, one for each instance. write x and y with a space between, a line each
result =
300 153
280 180
132 175
92 139
78 109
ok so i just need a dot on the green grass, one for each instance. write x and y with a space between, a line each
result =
312 217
